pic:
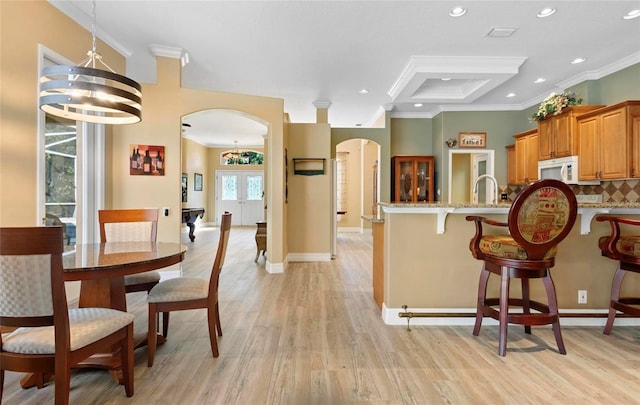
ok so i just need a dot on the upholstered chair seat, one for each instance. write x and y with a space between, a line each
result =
179 289
627 245
86 325
152 276
505 246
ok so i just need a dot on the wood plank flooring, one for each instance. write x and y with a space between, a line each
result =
313 335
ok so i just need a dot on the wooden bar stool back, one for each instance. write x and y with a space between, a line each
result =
626 250
540 217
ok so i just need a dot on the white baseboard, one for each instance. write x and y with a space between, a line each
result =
274 268
391 316
309 257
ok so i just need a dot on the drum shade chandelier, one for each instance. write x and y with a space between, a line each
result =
86 93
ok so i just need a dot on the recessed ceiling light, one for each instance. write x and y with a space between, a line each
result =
417 105
444 79
364 91
540 80
631 14
458 12
358 125
546 12
577 60
510 95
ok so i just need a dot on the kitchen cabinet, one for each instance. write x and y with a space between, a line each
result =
526 157
511 164
608 142
557 135
412 178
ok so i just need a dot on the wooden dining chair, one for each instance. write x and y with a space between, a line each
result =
185 293
50 338
625 248
131 225
540 217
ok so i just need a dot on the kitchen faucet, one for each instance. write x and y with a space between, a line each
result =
495 186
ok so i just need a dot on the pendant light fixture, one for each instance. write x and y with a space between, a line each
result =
86 93
236 157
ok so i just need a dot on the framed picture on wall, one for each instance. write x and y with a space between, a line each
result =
472 139
197 182
146 160
184 187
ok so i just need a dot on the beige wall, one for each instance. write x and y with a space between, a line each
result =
24 25
309 206
195 159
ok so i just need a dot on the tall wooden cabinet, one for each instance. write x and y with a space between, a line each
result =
557 135
608 142
526 157
412 178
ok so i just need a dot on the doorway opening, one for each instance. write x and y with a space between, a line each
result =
465 166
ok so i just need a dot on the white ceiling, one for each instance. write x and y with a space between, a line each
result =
327 51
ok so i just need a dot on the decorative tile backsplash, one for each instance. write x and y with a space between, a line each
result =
612 191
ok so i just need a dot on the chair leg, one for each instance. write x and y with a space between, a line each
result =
525 301
218 325
553 309
165 324
482 295
126 359
211 320
504 310
1 384
615 295
152 335
62 382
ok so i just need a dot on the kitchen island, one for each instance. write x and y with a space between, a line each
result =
427 265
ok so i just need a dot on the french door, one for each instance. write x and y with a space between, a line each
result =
241 193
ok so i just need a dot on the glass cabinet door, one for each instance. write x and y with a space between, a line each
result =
422 186
406 181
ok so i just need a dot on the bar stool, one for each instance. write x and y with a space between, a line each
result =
625 249
540 217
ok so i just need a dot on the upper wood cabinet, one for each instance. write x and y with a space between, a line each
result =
412 178
526 157
511 164
557 135
608 142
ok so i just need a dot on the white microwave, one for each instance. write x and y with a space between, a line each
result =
564 169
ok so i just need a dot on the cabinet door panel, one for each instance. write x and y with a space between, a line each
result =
521 160
635 147
532 161
563 133
545 139
614 145
588 151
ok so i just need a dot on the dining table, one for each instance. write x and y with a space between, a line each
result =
100 268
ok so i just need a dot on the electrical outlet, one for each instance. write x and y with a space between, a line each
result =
582 296
166 212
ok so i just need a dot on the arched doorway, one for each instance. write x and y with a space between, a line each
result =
228 184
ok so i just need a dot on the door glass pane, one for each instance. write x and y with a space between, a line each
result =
229 188
254 188
60 175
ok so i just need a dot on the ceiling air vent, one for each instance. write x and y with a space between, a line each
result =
501 32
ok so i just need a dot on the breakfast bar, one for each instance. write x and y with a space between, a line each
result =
427 265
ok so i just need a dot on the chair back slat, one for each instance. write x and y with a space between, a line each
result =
130 225
30 268
225 229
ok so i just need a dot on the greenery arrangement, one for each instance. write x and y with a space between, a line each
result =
554 104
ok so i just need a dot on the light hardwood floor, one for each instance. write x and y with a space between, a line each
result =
313 335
